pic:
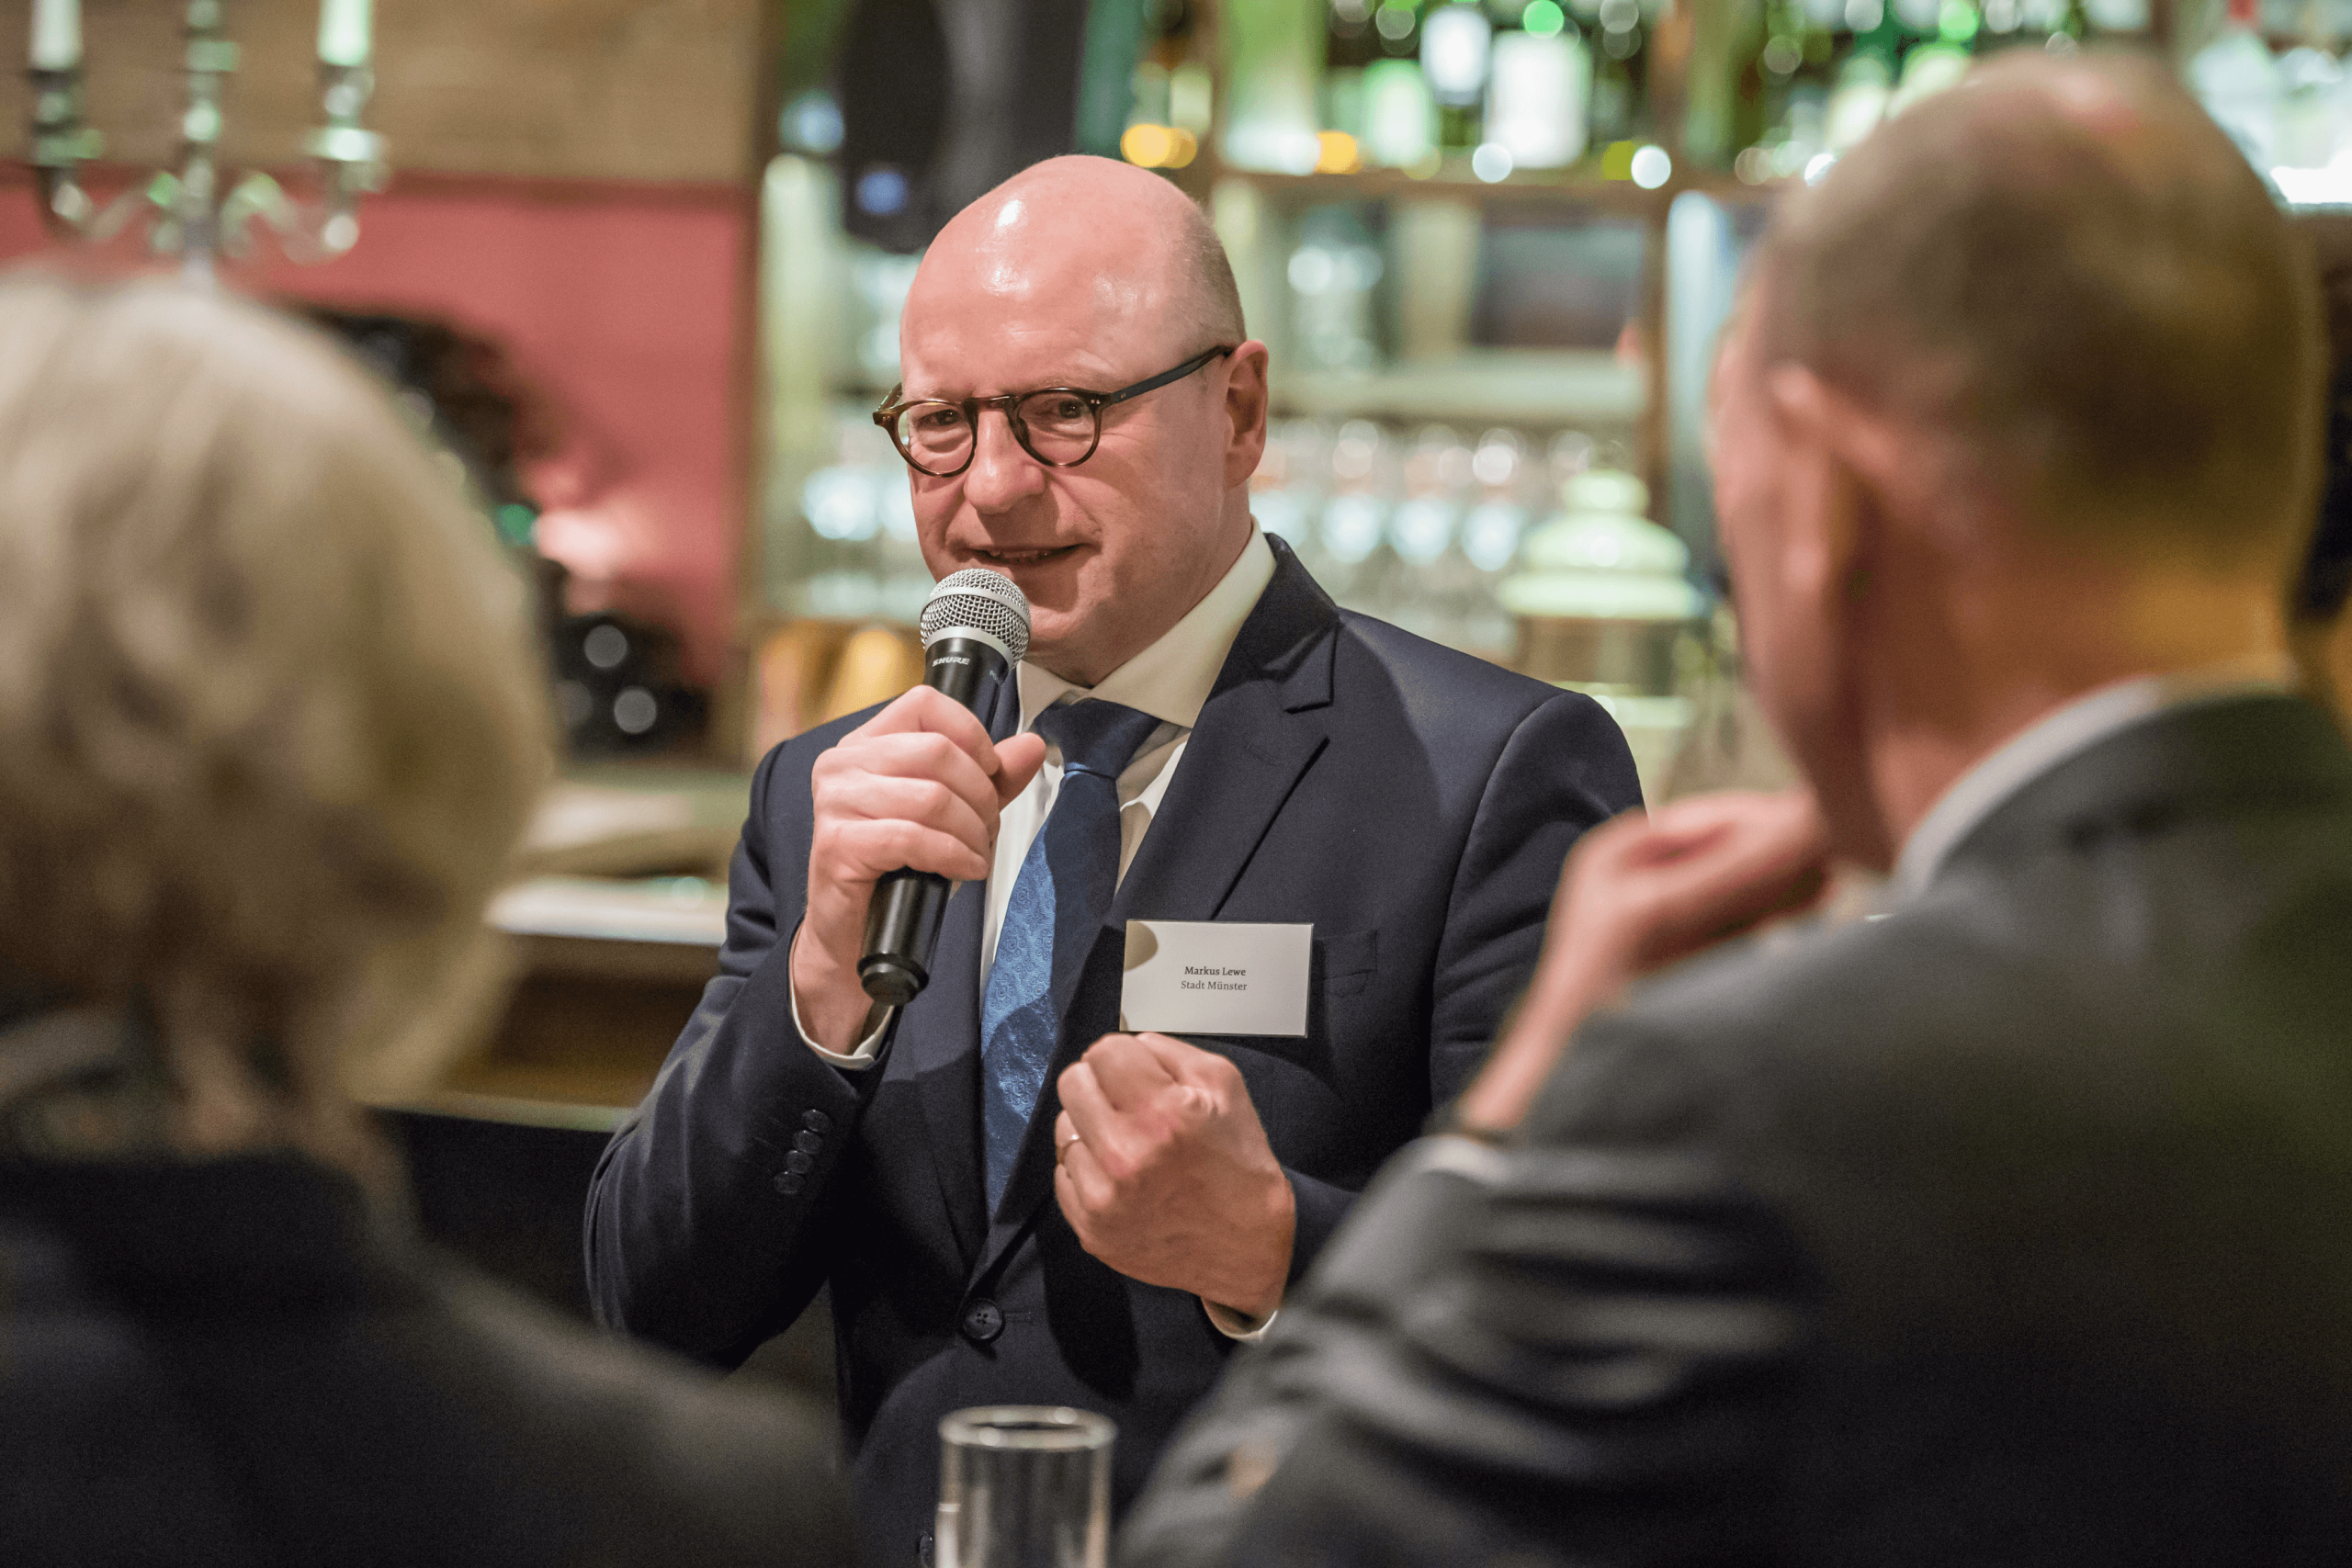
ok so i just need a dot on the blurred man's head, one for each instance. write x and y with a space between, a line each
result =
268 720
2022 401
1085 273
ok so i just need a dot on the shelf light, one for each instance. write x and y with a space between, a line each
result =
1339 153
2329 185
1149 146
1491 163
1650 167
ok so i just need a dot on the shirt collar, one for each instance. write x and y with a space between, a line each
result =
2065 734
1171 679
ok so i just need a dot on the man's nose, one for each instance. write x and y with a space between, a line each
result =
1002 472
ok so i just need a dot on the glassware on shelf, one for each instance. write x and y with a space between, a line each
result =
1536 105
1351 532
839 503
1399 116
1491 531
1833 70
880 281
1422 595
1273 57
1571 453
861 558
1333 276
1284 495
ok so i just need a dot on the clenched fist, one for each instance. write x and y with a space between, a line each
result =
1166 1175
919 786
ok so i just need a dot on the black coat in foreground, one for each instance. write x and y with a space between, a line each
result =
224 1365
1413 804
2014 1228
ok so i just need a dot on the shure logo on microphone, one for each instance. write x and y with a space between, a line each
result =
951 659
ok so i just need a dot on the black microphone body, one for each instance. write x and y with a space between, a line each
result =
903 922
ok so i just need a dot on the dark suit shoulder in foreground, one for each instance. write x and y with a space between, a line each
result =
2015 1227
219 1364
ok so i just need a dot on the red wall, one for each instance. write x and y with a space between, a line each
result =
624 305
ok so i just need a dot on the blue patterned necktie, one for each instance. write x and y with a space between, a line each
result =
1060 901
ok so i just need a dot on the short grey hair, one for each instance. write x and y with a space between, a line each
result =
2067 269
1208 277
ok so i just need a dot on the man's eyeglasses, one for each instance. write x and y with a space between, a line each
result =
1060 426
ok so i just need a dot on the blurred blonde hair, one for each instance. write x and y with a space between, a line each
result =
269 723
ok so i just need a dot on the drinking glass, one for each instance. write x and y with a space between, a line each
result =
1023 1487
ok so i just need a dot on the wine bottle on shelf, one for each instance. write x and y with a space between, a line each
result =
1273 62
1350 45
1618 67
1456 42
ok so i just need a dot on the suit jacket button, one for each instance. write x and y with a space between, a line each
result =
816 1122
788 1183
983 1321
797 1164
807 1143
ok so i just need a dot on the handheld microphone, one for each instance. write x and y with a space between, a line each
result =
975 629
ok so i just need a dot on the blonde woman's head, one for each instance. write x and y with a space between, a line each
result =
269 723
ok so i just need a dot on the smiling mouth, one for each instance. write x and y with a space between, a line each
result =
1024 558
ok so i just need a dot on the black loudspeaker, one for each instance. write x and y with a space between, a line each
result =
943 99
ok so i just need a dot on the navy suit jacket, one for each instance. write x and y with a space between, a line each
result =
1412 803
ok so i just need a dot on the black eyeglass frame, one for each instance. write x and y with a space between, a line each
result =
887 416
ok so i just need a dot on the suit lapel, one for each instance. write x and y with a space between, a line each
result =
1260 729
937 1045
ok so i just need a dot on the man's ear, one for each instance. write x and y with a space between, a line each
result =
1245 403
1844 459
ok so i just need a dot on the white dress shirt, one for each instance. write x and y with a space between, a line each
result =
1170 680
2060 736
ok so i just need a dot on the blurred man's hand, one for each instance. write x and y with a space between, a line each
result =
919 786
1165 1173
1636 894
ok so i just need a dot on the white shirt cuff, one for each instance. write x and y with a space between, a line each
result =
860 1056
1235 1326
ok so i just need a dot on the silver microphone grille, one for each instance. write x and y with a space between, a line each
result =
976 599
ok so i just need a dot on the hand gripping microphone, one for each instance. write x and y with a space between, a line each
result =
975 629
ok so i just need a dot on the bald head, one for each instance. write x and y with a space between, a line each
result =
1079 228
2067 276
1084 273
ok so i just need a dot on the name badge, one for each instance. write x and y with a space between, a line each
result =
1211 978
